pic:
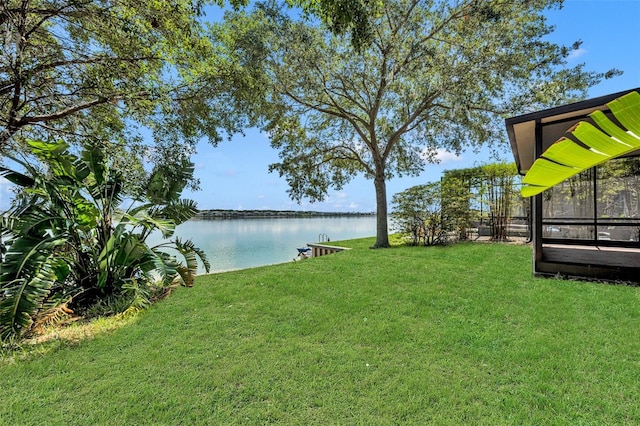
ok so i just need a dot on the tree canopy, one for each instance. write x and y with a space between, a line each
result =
434 75
62 59
140 77
79 70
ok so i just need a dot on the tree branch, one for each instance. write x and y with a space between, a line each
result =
426 103
341 113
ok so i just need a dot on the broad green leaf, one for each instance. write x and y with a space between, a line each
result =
95 160
547 173
16 178
28 273
142 218
47 149
599 141
130 251
567 152
625 109
612 129
179 211
61 269
86 214
606 140
531 190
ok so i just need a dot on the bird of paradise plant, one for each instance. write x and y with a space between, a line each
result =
69 240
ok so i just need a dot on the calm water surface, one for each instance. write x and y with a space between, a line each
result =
244 243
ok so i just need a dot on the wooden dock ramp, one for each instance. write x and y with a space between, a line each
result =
323 249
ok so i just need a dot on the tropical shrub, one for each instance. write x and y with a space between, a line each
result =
69 242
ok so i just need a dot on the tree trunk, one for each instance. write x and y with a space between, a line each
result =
382 231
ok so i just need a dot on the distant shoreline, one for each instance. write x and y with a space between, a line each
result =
275 214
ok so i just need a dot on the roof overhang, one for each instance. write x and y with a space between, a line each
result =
556 121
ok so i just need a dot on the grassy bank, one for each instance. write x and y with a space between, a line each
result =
446 335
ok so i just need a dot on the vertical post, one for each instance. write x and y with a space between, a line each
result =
537 205
595 203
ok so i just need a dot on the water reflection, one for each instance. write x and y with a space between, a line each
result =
244 243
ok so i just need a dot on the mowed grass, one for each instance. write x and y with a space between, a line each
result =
446 335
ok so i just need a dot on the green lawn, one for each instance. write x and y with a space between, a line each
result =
445 335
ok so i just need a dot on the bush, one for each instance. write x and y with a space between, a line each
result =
69 242
417 212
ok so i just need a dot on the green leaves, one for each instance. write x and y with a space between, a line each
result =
342 16
16 178
29 272
418 212
68 240
92 68
166 184
94 159
587 145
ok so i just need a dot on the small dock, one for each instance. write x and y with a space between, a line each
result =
322 249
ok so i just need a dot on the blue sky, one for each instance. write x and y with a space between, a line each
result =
234 175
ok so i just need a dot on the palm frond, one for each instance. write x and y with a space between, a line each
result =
134 211
166 183
161 263
22 297
16 178
186 276
166 226
179 211
138 295
203 258
52 316
122 253
9 224
94 161
191 253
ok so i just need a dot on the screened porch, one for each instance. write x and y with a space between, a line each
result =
587 225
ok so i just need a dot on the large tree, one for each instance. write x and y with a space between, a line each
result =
104 69
436 74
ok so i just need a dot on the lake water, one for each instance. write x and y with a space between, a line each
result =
244 243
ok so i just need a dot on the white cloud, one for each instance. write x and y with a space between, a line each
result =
577 53
440 156
353 206
445 156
